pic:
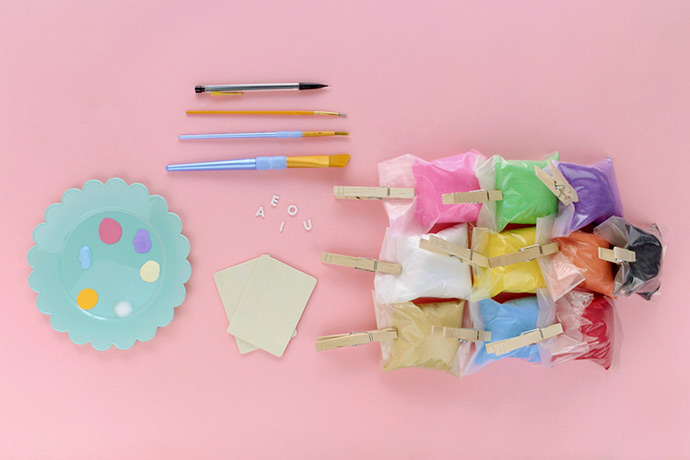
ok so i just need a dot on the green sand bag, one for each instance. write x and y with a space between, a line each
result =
525 197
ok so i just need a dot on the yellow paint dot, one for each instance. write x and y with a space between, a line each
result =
150 271
87 299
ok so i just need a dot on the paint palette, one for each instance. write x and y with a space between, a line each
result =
109 264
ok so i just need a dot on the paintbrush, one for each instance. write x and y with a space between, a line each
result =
264 163
264 112
272 134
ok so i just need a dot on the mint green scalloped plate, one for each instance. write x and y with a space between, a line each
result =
60 274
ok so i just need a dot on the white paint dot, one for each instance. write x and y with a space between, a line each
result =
123 309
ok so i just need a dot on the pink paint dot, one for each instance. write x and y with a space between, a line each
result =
109 231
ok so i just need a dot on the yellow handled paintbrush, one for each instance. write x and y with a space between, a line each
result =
264 112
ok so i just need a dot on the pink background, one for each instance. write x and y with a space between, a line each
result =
99 89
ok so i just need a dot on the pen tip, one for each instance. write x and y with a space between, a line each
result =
342 133
198 89
311 85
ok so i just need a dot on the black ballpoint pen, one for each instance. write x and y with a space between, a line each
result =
256 87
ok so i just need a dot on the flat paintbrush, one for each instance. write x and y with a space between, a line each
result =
264 163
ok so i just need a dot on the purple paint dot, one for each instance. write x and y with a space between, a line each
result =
142 241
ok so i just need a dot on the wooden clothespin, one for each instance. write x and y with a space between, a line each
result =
341 192
475 196
523 255
557 183
361 263
354 339
501 347
461 333
446 248
617 255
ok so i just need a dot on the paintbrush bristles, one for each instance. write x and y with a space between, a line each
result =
338 161
318 161
314 161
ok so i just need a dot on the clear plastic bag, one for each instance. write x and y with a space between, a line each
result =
560 274
601 328
424 273
517 278
415 345
446 175
430 181
591 330
582 250
598 196
525 197
504 321
397 172
643 276
568 311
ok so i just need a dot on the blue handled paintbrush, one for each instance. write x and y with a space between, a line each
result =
274 134
264 163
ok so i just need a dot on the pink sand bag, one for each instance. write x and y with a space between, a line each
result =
430 181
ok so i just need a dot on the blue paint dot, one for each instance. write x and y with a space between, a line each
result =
142 241
85 257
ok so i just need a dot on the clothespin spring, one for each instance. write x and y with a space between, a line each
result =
376 262
371 337
541 251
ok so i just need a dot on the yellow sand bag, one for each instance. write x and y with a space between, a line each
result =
520 277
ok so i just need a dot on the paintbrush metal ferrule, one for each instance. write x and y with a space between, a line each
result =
335 114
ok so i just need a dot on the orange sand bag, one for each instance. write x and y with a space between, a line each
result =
582 249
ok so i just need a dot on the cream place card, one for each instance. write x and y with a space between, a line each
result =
264 300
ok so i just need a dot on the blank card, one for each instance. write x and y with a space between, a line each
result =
271 305
231 284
